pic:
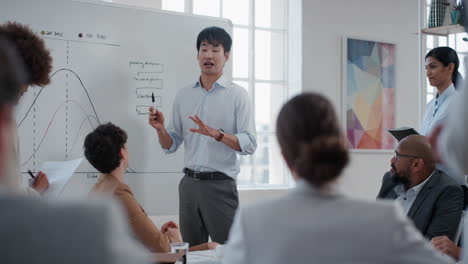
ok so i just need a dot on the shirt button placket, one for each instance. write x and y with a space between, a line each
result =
435 108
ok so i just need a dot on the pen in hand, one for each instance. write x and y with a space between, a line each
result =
39 182
153 100
31 174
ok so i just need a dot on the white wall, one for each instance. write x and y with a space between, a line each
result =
142 3
324 24
246 197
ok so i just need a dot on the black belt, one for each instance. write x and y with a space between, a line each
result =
199 175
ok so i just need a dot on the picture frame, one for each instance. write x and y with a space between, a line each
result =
368 94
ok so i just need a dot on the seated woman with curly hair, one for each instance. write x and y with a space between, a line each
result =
105 148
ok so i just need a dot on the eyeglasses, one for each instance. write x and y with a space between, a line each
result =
398 155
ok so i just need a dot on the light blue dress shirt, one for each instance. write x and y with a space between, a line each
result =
406 197
226 106
437 110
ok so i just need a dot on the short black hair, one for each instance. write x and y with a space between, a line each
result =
102 147
215 36
12 73
32 50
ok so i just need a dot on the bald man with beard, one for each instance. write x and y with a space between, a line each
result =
428 196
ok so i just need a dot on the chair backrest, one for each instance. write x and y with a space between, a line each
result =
465 192
460 228
465 208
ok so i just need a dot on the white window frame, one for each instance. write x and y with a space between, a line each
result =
429 42
290 78
251 80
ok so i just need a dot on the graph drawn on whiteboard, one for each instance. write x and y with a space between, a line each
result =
91 84
105 51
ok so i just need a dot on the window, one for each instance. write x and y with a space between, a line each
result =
262 34
174 5
455 41
266 57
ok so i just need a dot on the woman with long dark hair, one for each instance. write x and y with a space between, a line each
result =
442 73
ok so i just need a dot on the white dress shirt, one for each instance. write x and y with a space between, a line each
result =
437 110
406 198
453 143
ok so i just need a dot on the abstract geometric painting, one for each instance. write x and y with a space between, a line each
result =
369 93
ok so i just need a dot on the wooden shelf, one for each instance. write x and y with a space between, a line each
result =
444 30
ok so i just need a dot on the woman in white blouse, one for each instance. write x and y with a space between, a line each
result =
442 73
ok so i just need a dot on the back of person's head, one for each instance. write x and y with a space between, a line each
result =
12 77
215 36
12 73
311 140
447 55
102 147
36 57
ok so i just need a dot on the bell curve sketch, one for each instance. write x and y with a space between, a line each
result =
90 85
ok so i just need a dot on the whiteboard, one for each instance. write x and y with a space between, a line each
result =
108 61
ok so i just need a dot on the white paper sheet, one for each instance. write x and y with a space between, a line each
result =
58 173
203 257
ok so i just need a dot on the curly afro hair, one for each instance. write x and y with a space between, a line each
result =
32 49
102 147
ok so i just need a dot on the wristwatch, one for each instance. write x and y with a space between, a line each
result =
221 135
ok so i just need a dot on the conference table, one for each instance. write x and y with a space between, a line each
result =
193 257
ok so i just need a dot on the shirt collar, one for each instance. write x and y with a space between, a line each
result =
400 189
448 92
221 82
302 186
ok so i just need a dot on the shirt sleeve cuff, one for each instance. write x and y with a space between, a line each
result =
246 143
173 147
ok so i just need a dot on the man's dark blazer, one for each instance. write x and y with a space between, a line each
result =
437 209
